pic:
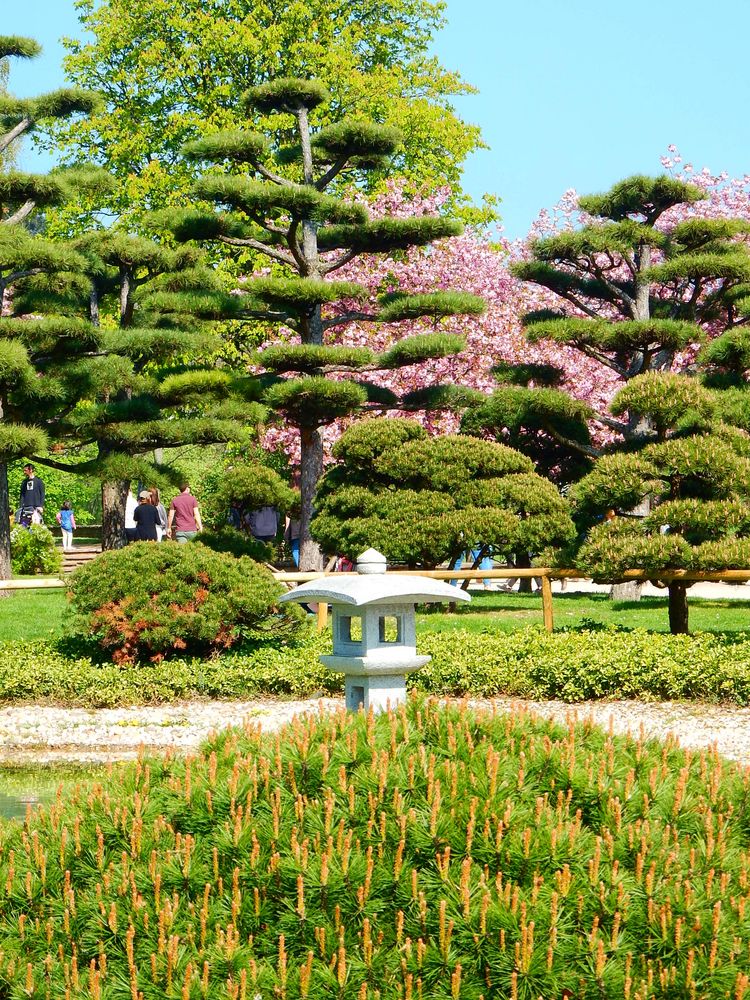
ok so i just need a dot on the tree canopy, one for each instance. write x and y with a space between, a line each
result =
423 500
307 235
170 71
637 285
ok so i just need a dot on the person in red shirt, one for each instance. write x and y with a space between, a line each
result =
184 521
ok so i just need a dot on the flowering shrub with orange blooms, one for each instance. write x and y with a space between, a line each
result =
149 601
428 853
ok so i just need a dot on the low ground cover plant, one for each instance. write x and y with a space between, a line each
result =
33 551
428 853
573 665
147 602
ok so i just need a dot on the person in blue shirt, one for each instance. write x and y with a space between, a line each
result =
66 520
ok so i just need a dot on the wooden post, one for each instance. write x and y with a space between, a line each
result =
322 616
549 619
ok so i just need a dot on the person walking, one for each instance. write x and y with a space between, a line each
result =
32 497
162 511
146 518
264 524
184 520
66 519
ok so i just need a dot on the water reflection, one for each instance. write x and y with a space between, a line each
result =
23 788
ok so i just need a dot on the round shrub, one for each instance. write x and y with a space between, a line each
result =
33 550
148 601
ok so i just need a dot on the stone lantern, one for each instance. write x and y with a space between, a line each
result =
374 627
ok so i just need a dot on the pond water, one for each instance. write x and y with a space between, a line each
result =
24 787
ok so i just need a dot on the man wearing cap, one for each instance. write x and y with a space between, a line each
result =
146 518
184 520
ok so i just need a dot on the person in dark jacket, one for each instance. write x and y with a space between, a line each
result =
263 524
32 496
146 518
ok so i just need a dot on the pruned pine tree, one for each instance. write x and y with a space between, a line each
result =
634 292
147 388
33 390
692 478
424 500
284 204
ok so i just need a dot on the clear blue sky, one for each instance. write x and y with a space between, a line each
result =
572 93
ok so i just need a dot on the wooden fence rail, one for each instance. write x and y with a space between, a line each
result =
544 574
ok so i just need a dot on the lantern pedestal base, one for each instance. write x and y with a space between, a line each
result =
378 692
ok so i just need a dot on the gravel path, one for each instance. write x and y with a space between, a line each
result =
42 734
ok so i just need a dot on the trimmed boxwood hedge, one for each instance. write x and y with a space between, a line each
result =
573 665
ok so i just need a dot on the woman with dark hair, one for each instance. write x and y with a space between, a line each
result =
146 518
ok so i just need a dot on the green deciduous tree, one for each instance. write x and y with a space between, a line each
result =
308 234
423 500
168 70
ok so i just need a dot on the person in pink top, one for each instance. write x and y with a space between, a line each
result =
184 520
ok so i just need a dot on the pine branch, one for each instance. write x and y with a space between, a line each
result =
14 133
280 255
20 214
350 317
344 259
322 183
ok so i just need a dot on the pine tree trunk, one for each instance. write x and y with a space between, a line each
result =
678 609
522 561
5 507
311 469
114 499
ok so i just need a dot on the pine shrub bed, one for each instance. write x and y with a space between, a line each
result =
573 665
430 853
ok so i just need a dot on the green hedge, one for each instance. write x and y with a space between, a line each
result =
572 665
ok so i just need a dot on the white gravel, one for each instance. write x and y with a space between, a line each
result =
41 734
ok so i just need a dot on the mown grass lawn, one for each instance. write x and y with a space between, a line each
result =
39 614
489 612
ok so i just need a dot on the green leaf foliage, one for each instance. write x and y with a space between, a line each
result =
33 551
628 335
384 235
472 752
302 293
423 500
252 486
234 543
638 195
149 601
730 351
357 137
18 47
311 358
237 145
259 198
17 440
314 401
286 94
397 306
447 396
669 401
421 347
544 423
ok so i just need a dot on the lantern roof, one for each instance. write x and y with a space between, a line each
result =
370 585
